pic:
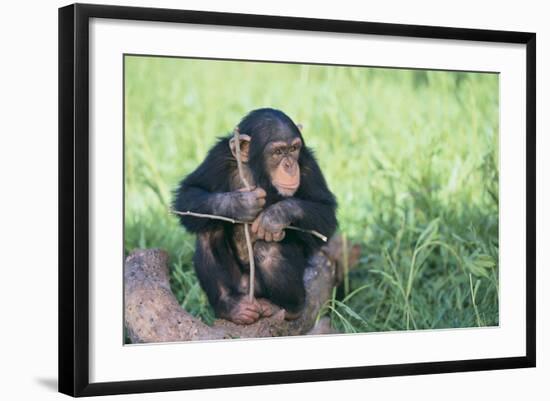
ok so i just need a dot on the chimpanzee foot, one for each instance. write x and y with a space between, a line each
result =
245 312
267 309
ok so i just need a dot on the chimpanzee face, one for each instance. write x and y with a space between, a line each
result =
281 162
270 144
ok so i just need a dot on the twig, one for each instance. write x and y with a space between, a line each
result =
230 220
236 134
312 232
207 216
246 227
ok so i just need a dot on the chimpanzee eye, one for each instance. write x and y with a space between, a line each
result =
293 148
278 151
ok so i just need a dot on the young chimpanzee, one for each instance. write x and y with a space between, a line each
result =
288 188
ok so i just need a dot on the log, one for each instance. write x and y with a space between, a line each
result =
152 313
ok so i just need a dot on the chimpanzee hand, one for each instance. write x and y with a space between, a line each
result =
246 205
271 223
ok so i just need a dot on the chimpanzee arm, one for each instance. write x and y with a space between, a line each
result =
309 215
239 205
206 190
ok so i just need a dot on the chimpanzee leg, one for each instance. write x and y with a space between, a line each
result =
281 274
221 278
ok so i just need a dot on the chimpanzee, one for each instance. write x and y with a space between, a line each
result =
288 188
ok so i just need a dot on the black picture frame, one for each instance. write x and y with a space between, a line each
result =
74 197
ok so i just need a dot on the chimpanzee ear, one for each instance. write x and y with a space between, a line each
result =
244 143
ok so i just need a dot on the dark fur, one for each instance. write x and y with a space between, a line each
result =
280 265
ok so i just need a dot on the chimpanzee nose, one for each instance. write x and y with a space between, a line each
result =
289 166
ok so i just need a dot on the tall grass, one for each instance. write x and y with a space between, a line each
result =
412 157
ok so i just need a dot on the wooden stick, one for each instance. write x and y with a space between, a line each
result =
239 161
246 227
207 216
312 232
230 220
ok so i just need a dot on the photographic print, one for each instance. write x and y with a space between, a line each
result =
255 199
268 199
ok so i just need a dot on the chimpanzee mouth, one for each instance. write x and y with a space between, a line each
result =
286 190
287 187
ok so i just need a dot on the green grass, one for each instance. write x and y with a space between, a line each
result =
412 157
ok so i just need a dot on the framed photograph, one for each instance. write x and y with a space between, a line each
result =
252 199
